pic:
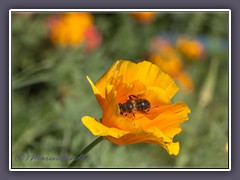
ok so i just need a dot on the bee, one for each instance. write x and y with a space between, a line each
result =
134 103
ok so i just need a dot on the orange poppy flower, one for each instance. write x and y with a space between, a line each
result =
191 48
143 17
73 29
145 80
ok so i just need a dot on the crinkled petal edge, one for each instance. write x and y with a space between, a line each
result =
121 137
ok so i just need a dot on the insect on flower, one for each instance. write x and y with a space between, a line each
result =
135 104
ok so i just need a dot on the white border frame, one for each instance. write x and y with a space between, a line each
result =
118 10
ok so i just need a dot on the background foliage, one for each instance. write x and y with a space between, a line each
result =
50 92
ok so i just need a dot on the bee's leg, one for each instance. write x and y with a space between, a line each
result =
121 108
131 97
146 111
133 119
121 112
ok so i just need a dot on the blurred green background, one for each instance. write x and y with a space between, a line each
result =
50 92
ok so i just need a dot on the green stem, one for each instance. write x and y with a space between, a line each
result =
85 151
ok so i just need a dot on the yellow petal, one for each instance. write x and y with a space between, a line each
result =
157 96
144 72
161 139
172 130
172 114
168 118
98 129
99 96
124 90
151 135
150 75
105 78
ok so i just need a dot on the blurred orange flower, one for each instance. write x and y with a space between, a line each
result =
166 57
226 147
143 17
191 48
73 29
159 125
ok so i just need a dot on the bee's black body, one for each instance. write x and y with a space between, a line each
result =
134 104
